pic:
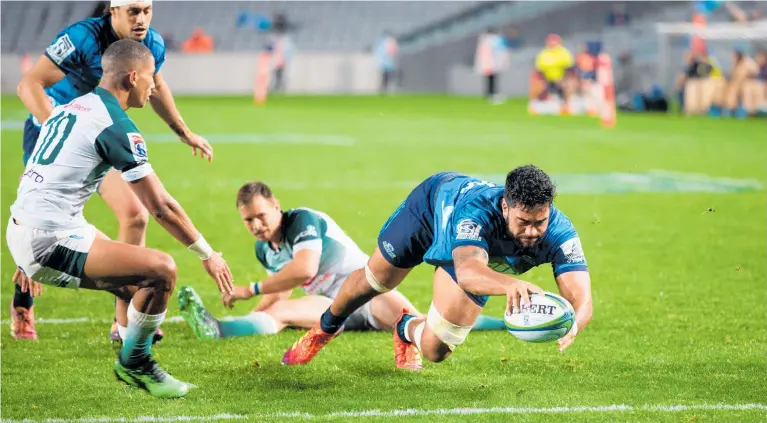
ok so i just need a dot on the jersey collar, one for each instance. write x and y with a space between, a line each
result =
106 97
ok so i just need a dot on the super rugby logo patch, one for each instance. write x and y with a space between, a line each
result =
573 251
310 231
62 48
468 229
137 146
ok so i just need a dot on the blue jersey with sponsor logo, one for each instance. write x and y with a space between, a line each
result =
467 211
77 51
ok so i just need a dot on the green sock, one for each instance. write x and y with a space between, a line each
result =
489 323
257 323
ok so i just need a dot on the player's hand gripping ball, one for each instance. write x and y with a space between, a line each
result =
547 318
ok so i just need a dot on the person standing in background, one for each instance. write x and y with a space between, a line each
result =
385 51
491 59
282 52
553 64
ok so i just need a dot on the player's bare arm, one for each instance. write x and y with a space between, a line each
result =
165 107
268 300
302 268
171 216
31 89
576 288
474 276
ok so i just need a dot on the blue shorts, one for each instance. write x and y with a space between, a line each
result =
31 132
409 232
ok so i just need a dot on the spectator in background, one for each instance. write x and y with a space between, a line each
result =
490 59
385 51
742 98
553 64
618 16
279 22
282 52
512 40
761 96
198 42
586 62
702 83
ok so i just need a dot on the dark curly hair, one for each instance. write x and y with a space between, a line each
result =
529 187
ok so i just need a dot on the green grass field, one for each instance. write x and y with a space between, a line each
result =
679 291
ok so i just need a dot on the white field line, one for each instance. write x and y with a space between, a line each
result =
617 408
42 321
236 138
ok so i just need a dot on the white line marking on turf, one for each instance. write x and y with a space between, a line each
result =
658 408
235 138
262 138
172 319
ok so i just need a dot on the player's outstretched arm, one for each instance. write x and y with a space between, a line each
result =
31 89
165 107
171 216
302 268
576 288
474 276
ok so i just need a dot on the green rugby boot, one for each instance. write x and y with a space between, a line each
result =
203 324
151 378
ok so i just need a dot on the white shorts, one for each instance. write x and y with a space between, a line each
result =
362 319
51 257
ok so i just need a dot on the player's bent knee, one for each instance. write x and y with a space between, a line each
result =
450 334
438 353
165 272
135 218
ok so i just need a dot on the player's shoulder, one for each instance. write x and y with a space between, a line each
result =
297 218
86 32
155 43
560 229
119 119
82 37
484 202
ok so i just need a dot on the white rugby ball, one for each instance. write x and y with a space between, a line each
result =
548 318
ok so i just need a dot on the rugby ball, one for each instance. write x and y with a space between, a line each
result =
547 318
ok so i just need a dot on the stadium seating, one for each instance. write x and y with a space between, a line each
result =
321 25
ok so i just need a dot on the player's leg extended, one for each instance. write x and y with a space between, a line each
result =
405 238
22 305
360 286
206 327
146 278
451 316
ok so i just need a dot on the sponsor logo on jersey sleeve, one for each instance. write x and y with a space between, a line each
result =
468 229
62 48
309 231
137 146
573 251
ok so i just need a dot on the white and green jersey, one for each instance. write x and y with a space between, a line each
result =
304 228
77 145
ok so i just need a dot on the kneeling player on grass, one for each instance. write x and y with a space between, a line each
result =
297 247
474 232
52 243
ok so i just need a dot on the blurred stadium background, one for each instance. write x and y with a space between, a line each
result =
336 47
670 208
